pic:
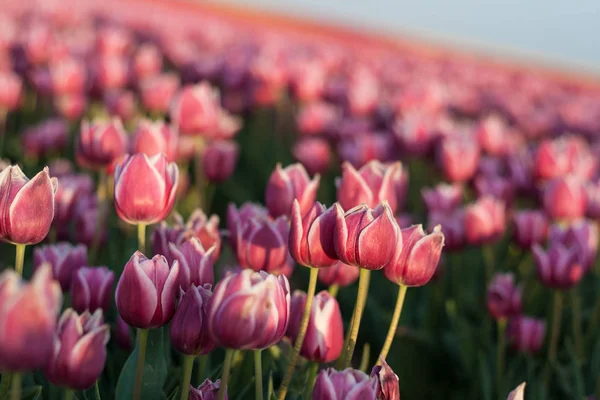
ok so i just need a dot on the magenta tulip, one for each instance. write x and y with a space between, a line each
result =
503 297
349 384
100 143
195 263
288 184
339 274
565 198
220 159
526 334
237 218
311 236
91 289
388 387
152 138
558 267
189 333
65 260
530 227
207 391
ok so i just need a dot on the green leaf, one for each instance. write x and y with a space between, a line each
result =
32 393
92 393
485 377
155 369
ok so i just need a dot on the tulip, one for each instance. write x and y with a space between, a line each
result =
530 227
316 117
207 391
372 184
91 289
484 220
458 158
10 93
80 350
503 297
527 334
90 229
237 219
387 387
100 144
565 198
414 134
121 103
71 105
492 134
68 76
220 159
206 230
311 236
495 186
453 227
122 334
518 393
287 184
152 138
147 61
228 126
552 159
338 275
195 263
443 197
582 236
46 137
157 91
113 40
349 384
111 72
362 148
557 267
65 260
314 154
324 338
195 109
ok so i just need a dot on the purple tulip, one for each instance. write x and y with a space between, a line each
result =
207 391
220 159
388 387
339 274
503 297
195 263
91 289
349 384
65 260
288 184
189 333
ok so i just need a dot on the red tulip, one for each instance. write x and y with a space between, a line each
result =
288 184
311 236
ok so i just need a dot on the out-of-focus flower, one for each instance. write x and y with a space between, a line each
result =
592 190
68 76
565 198
358 150
503 297
484 220
317 118
365 237
147 290
314 154
86 221
249 310
581 236
65 260
526 334
530 227
557 267
157 92
10 91
121 103
113 40
414 134
189 333
122 334
416 256
492 133
147 61
220 159
195 109
339 274
152 138
100 143
111 72
496 186
458 158
237 219
80 350
71 105
49 136
27 206
453 227
195 263
207 391
91 289
324 338
228 126
349 384
145 188
442 197
28 313
562 156
388 387
288 184
311 236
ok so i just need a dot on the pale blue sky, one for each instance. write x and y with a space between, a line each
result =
554 31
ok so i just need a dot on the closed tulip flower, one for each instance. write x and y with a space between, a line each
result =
195 109
207 391
156 137
100 143
311 236
189 333
565 198
372 184
530 227
121 103
111 72
91 289
80 350
195 263
68 75
324 338
147 290
10 92
219 160
314 154
552 159
557 267
453 227
366 238
458 158
237 218
484 220
147 61
71 105
503 297
145 188
527 334
287 184
388 387
249 310
339 274
581 236
157 91
49 136
65 260
443 197
349 384
28 313
316 118
416 257
27 205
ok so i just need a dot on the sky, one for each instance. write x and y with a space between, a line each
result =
561 33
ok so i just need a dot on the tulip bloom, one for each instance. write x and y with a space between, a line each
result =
189 334
317 117
195 109
28 313
49 136
349 384
68 76
324 338
207 391
288 184
100 143
70 189
157 91
311 236
339 274
558 267
65 260
27 206
527 334
565 198
484 220
388 387
147 61
10 92
80 350
219 160
503 297
372 184
147 290
314 154
519 393
458 158
195 263
121 103
581 236
152 138
530 227
145 188
91 289
237 218
453 227
443 197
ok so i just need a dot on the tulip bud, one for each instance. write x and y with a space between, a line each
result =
100 144
65 260
339 274
10 91
458 158
71 105
91 289
453 227
442 197
565 198
316 117
416 256
147 61
287 184
122 334
492 134
145 188
311 236
364 237
314 154
68 76
220 160
349 384
157 92
146 291
236 219
195 109
388 387
195 263
206 230
526 334
503 297
152 138
484 220
207 391
189 333
28 313
111 72
557 267
80 350
121 103
519 393
27 207
581 236
530 227
372 184
249 310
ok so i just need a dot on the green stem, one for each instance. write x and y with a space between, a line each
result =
333 290
188 366
97 390
20 257
500 353
15 389
258 374
361 299
554 332
364 360
313 369
209 191
310 294
101 193
225 374
139 371
202 364
394 324
576 322
5 384
489 258
68 394
141 233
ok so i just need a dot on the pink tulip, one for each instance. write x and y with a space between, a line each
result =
195 263
71 105
503 297
147 61
458 158
339 274
484 220
68 76
557 267
157 92
91 289
349 384
288 184
317 118
152 138
237 218
65 260
100 143
314 154
10 91
565 198
195 110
